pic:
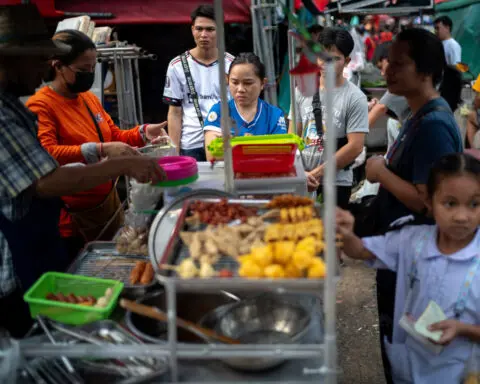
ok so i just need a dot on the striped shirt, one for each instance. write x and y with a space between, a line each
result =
23 161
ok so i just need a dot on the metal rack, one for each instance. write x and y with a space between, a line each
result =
125 59
264 42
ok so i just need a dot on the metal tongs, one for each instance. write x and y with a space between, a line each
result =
134 366
72 374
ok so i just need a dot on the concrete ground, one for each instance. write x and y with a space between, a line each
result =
357 326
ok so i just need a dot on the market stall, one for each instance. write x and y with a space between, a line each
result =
215 287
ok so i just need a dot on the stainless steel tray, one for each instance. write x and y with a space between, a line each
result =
101 259
176 251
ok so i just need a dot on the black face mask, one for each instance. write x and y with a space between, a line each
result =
83 82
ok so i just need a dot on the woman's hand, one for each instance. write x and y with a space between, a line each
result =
312 182
155 131
450 328
117 149
345 222
374 166
145 169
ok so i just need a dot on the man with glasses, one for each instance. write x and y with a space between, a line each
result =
192 85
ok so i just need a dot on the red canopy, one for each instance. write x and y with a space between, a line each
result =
140 12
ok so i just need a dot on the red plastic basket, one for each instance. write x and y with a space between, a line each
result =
263 158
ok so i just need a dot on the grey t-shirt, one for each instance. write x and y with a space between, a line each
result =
397 104
350 108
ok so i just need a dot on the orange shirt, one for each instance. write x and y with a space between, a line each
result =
63 126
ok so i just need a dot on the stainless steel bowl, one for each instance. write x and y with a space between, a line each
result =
266 319
190 306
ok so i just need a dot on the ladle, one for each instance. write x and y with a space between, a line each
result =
155 313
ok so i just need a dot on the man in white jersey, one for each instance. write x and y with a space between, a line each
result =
453 50
192 85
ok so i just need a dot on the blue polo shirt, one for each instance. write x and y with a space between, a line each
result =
418 146
269 120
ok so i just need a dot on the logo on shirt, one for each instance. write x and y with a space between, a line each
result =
167 82
212 116
99 117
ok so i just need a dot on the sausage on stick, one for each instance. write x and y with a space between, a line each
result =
137 272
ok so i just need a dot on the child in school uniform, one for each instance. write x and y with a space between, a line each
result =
434 263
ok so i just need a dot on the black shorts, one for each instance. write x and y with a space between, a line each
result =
343 195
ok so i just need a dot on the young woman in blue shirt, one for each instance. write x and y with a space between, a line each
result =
249 113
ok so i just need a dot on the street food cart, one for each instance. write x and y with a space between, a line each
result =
287 315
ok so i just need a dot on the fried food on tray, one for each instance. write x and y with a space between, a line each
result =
317 269
295 214
222 212
147 275
137 272
292 258
210 244
289 201
206 270
297 231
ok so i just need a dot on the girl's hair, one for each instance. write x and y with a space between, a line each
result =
427 51
249 58
454 164
79 43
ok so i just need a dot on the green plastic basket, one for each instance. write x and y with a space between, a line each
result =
216 146
54 282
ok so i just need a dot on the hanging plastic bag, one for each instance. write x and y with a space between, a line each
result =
472 369
132 239
143 197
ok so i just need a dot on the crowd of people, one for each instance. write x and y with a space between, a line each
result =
61 153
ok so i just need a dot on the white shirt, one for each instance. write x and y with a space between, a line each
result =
207 84
439 278
453 51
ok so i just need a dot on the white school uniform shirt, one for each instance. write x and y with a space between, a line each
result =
439 278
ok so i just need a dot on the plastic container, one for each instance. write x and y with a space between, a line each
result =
216 146
75 314
178 167
180 170
264 158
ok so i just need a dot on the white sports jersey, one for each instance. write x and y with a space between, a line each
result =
206 82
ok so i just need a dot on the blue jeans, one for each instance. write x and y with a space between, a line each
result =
197 153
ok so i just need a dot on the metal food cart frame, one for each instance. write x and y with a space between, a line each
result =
326 288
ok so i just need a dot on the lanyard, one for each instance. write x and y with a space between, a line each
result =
462 296
460 304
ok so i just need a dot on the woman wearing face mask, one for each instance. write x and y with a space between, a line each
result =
250 115
74 128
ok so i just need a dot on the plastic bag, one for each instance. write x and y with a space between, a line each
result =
143 197
132 239
472 369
